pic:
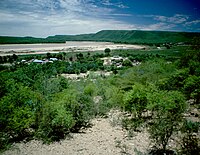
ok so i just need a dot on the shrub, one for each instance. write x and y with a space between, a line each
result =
107 51
192 88
190 141
90 89
135 100
127 63
55 123
168 109
17 113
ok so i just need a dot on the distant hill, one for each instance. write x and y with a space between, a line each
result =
146 37
120 36
19 40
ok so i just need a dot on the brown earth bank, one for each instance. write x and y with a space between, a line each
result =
104 137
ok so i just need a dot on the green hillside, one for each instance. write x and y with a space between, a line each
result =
145 36
122 36
19 40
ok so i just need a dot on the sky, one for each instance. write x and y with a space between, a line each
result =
42 18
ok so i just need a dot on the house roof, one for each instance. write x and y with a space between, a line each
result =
37 61
53 59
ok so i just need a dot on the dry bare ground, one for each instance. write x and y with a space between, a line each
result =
105 137
71 46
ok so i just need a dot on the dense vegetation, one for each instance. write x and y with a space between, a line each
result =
120 36
37 102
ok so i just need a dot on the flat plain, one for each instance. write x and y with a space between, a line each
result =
69 46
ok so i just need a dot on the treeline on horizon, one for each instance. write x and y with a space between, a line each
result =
116 36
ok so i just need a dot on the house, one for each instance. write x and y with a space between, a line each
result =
38 61
23 61
53 59
111 60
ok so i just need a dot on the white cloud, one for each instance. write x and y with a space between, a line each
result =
47 17
159 26
41 18
116 4
41 25
194 22
176 19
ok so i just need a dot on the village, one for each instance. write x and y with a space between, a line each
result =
116 61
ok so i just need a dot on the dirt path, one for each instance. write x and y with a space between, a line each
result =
103 138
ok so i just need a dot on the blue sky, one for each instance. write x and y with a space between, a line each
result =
41 18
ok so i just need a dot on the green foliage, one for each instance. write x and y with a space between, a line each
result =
190 140
168 109
55 122
190 59
152 71
63 82
114 96
8 58
68 111
90 89
190 127
79 104
107 51
36 101
135 100
127 63
17 112
142 37
20 119
192 88
175 81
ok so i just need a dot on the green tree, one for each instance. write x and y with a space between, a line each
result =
190 141
127 63
15 57
48 55
167 108
107 51
135 100
55 122
192 88
17 112
1 60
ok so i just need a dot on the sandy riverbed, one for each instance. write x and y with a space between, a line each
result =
70 46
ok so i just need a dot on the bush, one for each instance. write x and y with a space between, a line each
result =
90 89
17 113
127 63
55 122
107 51
190 142
192 88
135 101
168 109
190 127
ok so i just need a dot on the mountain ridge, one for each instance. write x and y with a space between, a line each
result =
118 36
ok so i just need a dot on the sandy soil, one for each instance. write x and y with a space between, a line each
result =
71 46
105 137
